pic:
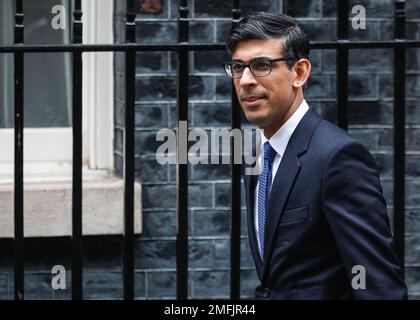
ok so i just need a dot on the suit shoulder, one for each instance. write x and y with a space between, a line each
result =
328 137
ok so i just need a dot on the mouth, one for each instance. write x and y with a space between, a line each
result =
251 101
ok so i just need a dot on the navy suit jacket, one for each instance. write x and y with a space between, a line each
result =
326 215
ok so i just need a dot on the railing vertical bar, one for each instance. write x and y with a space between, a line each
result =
235 223
399 133
19 240
130 83
182 163
77 231
342 55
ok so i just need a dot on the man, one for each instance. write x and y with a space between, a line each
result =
317 219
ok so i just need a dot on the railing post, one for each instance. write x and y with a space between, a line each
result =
77 231
130 87
399 133
182 157
342 54
235 222
19 240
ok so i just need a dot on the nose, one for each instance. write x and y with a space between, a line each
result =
247 79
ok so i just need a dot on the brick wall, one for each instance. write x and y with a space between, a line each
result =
370 119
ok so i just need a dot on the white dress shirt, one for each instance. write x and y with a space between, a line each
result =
278 142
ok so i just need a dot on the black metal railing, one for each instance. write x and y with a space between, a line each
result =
182 166
130 84
18 185
182 48
235 222
77 236
399 131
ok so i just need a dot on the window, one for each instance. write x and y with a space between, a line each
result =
47 112
48 90
48 133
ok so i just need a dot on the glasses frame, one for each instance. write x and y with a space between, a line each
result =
248 65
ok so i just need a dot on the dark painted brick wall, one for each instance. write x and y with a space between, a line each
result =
370 117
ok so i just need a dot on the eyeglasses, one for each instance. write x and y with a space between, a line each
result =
259 67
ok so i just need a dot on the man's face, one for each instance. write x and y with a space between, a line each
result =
265 100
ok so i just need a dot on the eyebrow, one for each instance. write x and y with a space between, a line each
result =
262 57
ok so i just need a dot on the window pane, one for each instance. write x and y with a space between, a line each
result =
47 82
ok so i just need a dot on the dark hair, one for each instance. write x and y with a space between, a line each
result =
263 25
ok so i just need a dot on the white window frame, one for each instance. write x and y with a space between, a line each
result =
98 109
98 84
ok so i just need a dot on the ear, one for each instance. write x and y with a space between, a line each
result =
302 68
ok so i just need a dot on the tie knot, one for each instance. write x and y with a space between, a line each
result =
269 152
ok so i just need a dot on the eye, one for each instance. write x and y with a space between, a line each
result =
261 65
236 67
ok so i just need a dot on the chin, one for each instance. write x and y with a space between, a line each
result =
256 119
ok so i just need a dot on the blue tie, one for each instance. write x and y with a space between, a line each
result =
263 192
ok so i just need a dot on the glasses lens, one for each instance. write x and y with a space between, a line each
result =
228 70
261 67
236 69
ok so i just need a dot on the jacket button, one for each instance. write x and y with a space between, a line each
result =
266 293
